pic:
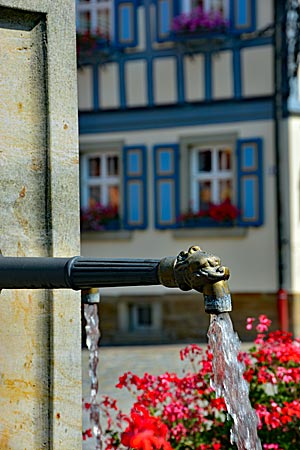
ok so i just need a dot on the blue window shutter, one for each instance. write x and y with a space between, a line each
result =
135 187
242 16
125 23
250 181
164 18
166 185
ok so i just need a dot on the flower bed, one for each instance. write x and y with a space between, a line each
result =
173 412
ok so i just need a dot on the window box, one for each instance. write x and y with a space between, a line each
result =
221 215
89 45
113 225
200 40
206 222
100 218
106 235
199 36
199 23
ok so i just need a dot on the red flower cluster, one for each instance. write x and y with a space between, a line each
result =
174 412
99 217
223 212
145 432
87 42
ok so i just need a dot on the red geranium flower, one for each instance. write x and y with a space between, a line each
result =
145 432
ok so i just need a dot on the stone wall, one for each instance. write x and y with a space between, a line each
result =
40 351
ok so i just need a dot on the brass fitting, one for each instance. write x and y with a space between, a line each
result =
199 270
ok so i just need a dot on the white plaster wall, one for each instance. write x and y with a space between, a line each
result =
194 77
164 80
293 185
85 88
257 71
264 13
252 259
109 86
136 82
222 75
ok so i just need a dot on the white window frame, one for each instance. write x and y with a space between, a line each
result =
94 6
214 176
124 316
104 180
133 311
187 6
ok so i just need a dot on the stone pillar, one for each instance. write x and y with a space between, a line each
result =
40 343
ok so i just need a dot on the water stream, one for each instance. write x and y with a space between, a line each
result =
92 340
229 382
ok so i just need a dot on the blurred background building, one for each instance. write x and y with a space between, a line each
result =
189 134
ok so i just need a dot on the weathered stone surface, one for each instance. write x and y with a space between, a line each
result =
40 359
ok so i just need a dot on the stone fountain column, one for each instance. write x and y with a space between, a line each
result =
40 343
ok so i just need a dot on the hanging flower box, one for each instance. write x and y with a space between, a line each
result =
199 24
90 44
205 222
223 215
100 218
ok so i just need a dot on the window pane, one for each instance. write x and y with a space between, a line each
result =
164 17
242 12
113 165
113 196
205 195
224 159
84 21
126 15
103 22
144 316
225 189
204 161
94 195
94 167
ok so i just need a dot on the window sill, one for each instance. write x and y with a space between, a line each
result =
214 232
105 235
186 35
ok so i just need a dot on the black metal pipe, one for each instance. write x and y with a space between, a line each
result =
193 269
76 273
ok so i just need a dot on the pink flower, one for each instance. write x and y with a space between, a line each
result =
264 324
250 321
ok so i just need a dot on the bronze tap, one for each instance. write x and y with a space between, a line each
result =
199 270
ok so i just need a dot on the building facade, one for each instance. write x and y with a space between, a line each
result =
180 136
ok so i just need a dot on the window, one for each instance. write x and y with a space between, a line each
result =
113 187
101 179
208 5
211 176
238 16
219 179
95 16
140 317
115 20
